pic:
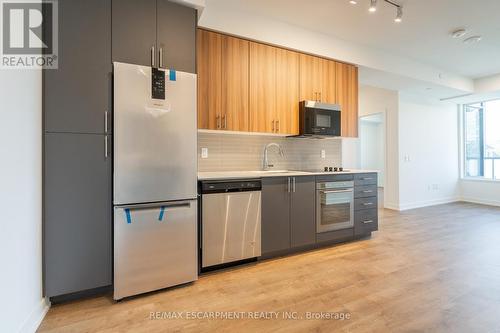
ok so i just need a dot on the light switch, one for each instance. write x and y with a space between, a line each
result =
204 152
323 153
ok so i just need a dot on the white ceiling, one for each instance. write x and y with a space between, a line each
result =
423 35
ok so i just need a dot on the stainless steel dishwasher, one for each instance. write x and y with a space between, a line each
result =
230 221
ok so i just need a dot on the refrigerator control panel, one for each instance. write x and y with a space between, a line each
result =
157 84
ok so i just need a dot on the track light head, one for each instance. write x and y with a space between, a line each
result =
373 6
399 16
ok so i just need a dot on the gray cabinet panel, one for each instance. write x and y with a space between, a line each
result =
77 214
302 212
365 203
365 221
78 93
275 214
365 191
176 36
134 31
365 179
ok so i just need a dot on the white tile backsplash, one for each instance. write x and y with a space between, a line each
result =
240 152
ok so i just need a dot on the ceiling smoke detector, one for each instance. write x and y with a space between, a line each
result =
458 33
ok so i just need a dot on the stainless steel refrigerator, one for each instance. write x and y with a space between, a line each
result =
155 207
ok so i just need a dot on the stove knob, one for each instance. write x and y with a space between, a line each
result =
336 169
326 169
341 169
330 169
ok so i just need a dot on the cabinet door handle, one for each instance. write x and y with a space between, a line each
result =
277 126
294 185
153 56
368 221
160 57
273 126
105 146
289 181
106 122
225 121
217 121
315 96
319 96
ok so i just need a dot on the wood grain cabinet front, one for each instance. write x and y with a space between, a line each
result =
255 87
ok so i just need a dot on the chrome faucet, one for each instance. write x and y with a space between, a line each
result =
266 164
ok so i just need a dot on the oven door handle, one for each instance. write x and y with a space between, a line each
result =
337 191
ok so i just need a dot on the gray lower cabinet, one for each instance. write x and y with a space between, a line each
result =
157 33
77 95
77 213
365 204
288 213
303 211
275 229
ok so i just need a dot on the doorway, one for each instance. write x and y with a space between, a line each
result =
372 148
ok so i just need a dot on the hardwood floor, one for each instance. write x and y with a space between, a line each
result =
433 269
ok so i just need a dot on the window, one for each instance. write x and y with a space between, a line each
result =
482 139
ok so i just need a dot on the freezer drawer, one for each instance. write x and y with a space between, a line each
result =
155 246
231 225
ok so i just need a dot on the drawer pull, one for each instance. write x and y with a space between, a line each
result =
368 178
368 204
367 191
368 221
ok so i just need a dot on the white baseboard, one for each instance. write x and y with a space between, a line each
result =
35 318
421 204
481 201
391 206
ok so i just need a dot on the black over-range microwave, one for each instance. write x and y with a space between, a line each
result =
319 119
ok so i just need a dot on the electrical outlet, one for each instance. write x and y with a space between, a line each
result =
204 152
435 187
323 153
407 158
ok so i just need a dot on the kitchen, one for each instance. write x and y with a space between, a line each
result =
189 147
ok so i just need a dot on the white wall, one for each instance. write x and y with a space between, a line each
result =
428 158
372 147
482 192
373 101
22 306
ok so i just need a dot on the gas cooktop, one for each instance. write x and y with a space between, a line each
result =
329 169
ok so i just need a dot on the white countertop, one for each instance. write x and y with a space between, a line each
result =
213 175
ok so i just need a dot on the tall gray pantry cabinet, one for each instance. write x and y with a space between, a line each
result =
77 129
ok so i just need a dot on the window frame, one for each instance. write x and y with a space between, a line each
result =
463 146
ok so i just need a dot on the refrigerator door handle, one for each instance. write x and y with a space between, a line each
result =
177 204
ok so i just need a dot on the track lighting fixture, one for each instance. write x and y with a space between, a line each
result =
373 8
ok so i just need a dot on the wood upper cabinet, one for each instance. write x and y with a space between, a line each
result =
262 102
329 82
209 66
250 86
287 91
235 61
311 77
347 97
222 64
